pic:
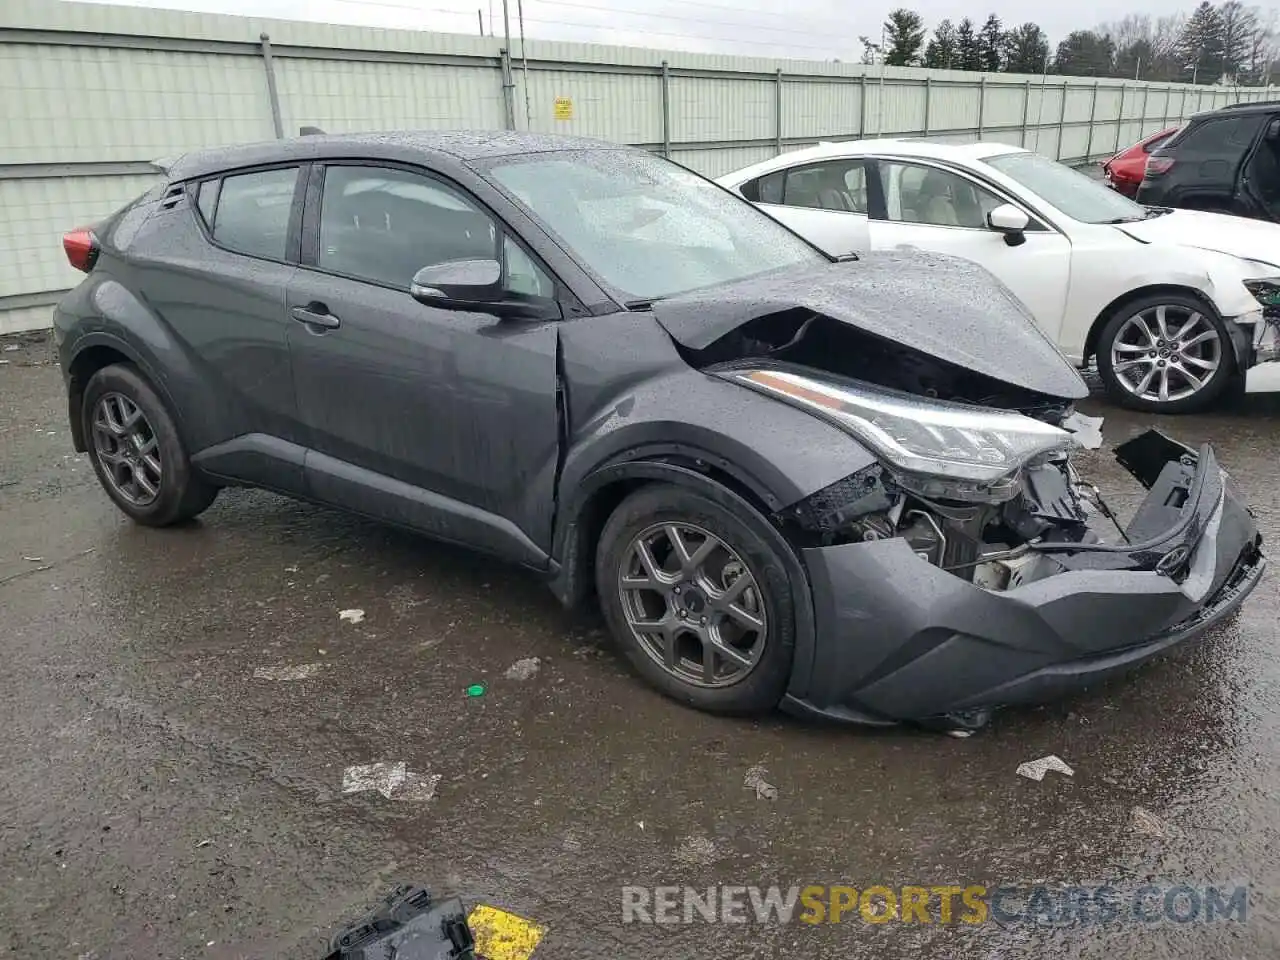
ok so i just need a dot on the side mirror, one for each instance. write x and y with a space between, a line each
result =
458 283
1010 221
1273 130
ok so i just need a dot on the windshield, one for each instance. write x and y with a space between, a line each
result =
1070 191
646 227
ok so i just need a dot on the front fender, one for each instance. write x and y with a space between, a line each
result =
778 452
693 429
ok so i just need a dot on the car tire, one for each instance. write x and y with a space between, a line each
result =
1125 357
748 547
129 434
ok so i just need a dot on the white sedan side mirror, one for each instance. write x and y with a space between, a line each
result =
1010 221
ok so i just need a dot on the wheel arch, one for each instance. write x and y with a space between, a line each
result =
96 352
581 519
1133 296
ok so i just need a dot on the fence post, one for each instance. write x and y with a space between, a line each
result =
862 108
1168 102
1026 109
777 112
982 103
1062 118
666 109
1182 109
928 96
1142 124
1124 88
508 89
273 94
1093 115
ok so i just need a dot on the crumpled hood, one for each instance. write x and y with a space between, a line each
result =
943 306
1235 236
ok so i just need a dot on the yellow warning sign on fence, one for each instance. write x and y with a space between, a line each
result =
564 108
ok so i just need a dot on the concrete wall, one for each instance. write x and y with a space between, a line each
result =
90 93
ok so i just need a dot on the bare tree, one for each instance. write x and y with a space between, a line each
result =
1239 25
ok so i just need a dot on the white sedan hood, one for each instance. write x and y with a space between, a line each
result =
1235 236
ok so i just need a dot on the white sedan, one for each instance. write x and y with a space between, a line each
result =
1173 304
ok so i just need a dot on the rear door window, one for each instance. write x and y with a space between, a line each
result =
830 185
249 213
1224 136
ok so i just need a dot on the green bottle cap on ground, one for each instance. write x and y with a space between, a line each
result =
475 690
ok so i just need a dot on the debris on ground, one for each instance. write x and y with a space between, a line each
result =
1036 769
522 669
1146 822
755 779
476 690
354 615
203 843
696 851
302 671
11 348
34 559
391 779
1087 430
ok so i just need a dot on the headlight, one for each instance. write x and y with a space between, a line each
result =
1265 291
934 448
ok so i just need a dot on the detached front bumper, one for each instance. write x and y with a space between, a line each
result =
900 639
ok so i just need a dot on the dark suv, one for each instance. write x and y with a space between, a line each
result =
1226 161
843 486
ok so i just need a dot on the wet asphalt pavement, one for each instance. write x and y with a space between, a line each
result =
158 801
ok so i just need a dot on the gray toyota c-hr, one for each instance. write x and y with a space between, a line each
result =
843 486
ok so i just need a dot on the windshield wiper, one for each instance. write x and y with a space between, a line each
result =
1118 220
640 304
847 258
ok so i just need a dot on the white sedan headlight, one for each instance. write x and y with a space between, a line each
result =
933 447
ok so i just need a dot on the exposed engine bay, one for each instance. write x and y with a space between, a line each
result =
1014 538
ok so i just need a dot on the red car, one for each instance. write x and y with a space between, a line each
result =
1123 172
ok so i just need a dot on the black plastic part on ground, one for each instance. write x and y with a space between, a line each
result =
408 925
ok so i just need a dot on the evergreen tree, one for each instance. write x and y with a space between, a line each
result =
1239 27
1200 46
991 45
1026 49
1085 54
942 53
968 56
904 36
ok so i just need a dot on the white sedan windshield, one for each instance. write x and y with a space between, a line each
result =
646 227
1070 191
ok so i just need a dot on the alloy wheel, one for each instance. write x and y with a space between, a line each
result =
692 604
1166 352
127 448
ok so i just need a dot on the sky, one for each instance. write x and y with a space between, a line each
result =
802 29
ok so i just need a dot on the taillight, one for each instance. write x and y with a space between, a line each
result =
81 247
1158 166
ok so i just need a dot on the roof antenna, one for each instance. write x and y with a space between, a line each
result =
310 132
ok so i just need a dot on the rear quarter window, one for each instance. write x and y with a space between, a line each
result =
249 213
1222 135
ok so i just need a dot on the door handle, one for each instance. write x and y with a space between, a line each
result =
315 315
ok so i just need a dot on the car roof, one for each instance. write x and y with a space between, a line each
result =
1260 106
894 147
406 146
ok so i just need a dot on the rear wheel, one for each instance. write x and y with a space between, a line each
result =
1168 353
699 598
136 451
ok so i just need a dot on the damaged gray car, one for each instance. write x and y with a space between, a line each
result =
844 487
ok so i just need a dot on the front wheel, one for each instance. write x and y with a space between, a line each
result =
1169 353
700 598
